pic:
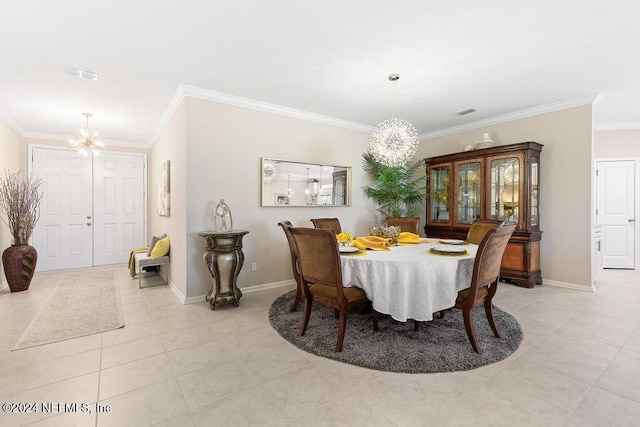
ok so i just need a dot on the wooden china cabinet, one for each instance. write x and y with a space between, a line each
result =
498 182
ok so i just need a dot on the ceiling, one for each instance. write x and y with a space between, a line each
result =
330 58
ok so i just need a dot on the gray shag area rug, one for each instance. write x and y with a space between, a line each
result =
83 304
439 346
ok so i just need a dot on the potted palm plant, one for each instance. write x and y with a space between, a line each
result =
20 198
398 190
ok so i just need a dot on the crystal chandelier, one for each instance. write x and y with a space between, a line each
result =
269 171
394 141
85 142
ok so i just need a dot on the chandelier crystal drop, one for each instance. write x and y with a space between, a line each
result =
86 142
394 141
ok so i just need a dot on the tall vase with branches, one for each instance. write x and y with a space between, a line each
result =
398 190
20 198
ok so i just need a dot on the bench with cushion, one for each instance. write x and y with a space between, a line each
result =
157 256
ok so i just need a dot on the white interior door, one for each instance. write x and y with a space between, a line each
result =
119 207
615 204
63 235
93 210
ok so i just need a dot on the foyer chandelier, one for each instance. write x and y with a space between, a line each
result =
85 142
394 141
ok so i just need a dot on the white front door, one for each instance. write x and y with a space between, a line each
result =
63 236
92 212
615 211
118 226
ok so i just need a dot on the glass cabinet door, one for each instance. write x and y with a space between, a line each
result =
504 197
468 192
439 183
535 176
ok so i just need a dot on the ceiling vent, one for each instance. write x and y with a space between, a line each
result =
83 74
465 112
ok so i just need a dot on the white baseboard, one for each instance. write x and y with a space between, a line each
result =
248 289
568 285
176 291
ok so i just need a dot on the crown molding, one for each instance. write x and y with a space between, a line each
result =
617 126
66 138
175 102
7 120
523 114
224 98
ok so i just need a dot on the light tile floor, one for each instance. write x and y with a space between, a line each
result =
185 365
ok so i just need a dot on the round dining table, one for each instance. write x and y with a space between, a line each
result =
410 281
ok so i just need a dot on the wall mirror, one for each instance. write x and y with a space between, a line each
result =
287 183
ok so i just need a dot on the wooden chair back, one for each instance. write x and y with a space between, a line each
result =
328 223
409 224
486 269
480 227
286 226
318 257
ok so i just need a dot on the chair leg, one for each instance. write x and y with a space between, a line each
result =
468 325
376 315
294 306
341 329
139 277
488 309
307 314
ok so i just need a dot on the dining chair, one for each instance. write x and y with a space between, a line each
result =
409 224
329 223
484 281
286 226
319 264
480 227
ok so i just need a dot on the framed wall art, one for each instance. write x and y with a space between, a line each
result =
164 190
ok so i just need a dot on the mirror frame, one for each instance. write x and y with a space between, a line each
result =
270 201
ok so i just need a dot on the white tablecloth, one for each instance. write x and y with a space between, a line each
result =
408 282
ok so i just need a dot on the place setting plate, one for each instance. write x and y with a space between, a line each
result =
448 250
451 242
348 250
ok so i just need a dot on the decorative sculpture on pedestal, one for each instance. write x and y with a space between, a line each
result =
222 220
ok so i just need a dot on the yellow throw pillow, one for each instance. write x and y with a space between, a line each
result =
161 248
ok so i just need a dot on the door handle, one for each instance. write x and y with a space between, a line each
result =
632 220
89 224
88 216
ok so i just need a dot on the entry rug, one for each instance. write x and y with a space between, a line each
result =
84 303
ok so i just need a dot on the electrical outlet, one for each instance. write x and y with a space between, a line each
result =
254 266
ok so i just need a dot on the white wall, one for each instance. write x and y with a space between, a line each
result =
616 143
565 185
10 160
172 146
224 147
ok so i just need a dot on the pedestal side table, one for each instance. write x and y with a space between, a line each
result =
224 258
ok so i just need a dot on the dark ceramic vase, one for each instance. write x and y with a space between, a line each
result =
19 262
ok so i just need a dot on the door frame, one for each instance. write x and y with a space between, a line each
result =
145 177
636 161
